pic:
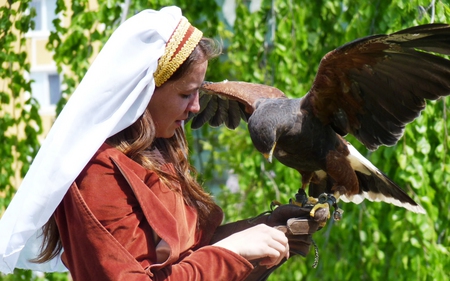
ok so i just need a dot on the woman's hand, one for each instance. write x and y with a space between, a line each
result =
258 242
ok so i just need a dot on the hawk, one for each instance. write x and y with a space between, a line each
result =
370 88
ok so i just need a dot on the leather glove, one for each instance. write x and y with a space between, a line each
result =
298 231
293 220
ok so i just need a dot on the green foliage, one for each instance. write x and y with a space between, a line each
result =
20 123
280 44
374 240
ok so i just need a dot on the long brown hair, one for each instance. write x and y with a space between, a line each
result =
134 142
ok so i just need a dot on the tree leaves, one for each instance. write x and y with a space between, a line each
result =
374 240
20 123
280 44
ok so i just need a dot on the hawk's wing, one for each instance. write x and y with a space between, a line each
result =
374 86
228 102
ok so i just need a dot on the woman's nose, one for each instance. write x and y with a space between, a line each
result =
194 106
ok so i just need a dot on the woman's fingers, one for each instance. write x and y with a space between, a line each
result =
281 251
260 241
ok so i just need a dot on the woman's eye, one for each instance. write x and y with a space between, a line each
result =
189 95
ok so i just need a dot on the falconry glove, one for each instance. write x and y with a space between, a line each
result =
293 220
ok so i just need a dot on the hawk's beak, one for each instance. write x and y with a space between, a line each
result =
269 155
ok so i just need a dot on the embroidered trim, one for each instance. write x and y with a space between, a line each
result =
180 45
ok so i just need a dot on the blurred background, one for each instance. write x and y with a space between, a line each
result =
48 45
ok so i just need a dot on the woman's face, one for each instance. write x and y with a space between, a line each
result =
172 102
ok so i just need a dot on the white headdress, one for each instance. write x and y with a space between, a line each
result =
113 94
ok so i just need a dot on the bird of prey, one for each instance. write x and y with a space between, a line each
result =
370 88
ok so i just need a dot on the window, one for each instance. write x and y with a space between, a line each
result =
46 88
45 14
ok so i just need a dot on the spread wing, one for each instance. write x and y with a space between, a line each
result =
228 102
374 86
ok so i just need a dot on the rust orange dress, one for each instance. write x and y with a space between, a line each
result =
118 221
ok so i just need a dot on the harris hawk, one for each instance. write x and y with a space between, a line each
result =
370 88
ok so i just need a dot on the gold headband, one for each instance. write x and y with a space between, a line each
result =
180 45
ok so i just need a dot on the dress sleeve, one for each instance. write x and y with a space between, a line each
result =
207 263
106 235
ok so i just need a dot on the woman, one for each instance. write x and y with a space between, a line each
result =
113 179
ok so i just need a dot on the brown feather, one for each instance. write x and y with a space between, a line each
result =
246 93
371 87
374 86
229 102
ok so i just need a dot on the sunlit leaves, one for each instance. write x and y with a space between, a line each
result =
374 240
282 44
20 123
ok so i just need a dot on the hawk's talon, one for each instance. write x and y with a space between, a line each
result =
295 202
324 201
318 206
311 201
274 204
327 201
301 199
